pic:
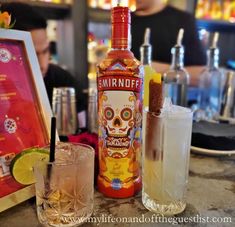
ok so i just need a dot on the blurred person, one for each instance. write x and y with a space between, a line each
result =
28 19
165 22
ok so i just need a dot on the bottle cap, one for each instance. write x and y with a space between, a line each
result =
213 51
180 37
146 49
215 40
121 20
121 14
177 51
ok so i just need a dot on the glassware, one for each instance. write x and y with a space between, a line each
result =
64 188
210 85
228 97
166 152
64 108
177 78
92 111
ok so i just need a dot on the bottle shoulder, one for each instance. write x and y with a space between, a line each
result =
210 73
210 78
176 76
211 70
124 57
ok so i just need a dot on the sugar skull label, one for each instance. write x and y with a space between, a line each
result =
5 55
118 121
120 115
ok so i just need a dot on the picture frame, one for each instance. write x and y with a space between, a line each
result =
25 111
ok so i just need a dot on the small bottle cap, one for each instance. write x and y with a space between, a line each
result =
146 49
215 40
178 49
180 37
121 20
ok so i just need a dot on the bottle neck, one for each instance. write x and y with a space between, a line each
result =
146 54
121 36
213 58
177 61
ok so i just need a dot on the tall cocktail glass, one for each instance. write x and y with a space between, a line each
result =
166 159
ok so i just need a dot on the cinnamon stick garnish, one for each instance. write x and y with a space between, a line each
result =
155 96
154 123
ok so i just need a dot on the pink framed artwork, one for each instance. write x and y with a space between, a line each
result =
24 110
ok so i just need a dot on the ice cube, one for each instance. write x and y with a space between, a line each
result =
64 153
173 111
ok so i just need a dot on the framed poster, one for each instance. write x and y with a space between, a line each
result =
25 111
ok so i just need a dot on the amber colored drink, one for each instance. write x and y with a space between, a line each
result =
119 85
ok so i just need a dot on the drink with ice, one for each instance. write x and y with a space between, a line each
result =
64 188
166 159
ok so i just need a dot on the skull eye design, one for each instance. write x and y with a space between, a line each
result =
108 113
126 114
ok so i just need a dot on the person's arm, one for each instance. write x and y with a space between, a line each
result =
160 67
194 71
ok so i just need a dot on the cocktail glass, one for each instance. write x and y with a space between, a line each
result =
166 159
64 188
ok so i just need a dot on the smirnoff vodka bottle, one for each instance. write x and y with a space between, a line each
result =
119 83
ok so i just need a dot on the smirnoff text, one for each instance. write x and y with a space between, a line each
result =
128 83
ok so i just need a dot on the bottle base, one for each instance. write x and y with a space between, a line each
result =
163 209
123 192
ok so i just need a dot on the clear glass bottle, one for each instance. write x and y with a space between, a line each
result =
92 111
177 78
210 85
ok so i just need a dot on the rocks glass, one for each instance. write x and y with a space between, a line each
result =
64 188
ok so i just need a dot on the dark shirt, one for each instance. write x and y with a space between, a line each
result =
58 77
164 27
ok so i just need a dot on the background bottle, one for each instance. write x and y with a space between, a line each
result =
149 72
64 109
92 111
177 78
210 86
119 86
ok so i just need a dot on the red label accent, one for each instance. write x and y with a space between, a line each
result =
124 83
